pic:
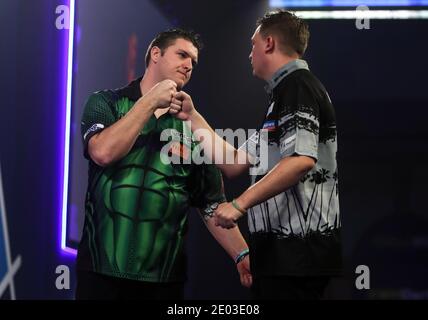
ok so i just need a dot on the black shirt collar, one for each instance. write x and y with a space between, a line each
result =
132 91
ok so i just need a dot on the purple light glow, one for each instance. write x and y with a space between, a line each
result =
67 73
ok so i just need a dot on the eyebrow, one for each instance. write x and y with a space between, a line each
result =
194 61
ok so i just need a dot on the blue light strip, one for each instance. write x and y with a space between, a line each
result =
66 154
346 3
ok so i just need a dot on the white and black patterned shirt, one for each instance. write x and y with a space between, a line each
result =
297 232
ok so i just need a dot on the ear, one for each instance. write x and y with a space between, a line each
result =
269 44
155 53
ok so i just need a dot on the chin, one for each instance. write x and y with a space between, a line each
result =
180 84
258 75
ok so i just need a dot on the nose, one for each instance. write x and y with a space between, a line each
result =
250 56
188 64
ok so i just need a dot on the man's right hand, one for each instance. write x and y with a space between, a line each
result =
162 94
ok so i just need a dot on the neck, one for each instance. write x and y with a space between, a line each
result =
278 62
147 82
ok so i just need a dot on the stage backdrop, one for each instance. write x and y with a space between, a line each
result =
376 79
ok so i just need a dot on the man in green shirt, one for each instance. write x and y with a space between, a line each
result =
136 204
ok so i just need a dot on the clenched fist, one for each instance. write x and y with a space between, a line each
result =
162 93
182 106
226 215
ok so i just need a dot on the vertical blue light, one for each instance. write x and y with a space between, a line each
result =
65 125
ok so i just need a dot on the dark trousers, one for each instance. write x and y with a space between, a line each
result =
289 288
95 286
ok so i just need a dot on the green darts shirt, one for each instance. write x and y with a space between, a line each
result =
136 209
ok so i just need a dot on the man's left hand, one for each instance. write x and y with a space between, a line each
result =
245 272
182 106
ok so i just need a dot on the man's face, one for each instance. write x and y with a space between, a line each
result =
178 61
257 55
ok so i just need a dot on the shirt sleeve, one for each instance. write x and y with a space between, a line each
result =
206 186
298 122
97 116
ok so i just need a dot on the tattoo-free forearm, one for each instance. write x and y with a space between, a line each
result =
114 142
231 240
230 161
283 176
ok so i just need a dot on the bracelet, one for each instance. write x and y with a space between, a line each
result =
237 207
242 255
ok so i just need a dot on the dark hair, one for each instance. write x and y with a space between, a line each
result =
167 38
292 31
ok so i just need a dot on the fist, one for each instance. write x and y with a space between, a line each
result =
182 106
162 93
226 215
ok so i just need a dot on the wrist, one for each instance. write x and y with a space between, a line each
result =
194 115
147 103
237 207
241 256
241 204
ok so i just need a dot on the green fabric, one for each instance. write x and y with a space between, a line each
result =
136 209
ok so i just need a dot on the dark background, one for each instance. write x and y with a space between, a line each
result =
376 80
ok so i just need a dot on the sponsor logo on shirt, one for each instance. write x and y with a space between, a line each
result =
180 144
178 136
269 125
179 149
95 127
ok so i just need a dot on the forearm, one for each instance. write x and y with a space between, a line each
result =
231 240
114 142
229 160
283 176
